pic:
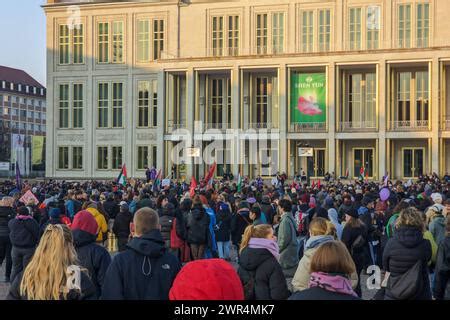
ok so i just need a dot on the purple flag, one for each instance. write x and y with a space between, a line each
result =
18 179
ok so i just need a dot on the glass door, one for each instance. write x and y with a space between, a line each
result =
413 162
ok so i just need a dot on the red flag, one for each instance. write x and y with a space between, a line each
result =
347 173
210 173
193 186
313 184
318 183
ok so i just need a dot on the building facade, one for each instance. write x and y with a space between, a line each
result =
137 83
22 123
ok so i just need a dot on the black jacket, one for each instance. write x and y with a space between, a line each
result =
145 271
442 271
91 256
166 221
223 221
121 226
318 293
112 208
270 283
24 232
403 251
197 226
360 254
87 290
239 222
6 214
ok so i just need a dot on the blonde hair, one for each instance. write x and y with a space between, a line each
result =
431 214
410 217
7 202
321 227
332 257
259 231
46 275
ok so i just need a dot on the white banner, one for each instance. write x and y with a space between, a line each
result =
4 166
305 152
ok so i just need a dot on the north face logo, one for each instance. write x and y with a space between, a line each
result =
166 267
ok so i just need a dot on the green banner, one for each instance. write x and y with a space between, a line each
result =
308 97
37 146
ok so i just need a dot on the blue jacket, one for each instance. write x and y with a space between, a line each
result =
212 244
145 271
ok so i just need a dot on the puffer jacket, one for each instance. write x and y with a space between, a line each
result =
223 222
166 221
302 275
197 226
403 251
269 280
287 242
101 222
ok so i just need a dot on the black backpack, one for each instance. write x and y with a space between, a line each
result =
408 285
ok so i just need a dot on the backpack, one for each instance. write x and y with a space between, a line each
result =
301 222
359 242
408 285
390 225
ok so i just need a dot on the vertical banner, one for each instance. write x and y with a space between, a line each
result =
308 98
18 150
37 145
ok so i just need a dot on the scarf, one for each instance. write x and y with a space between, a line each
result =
261 243
316 241
332 282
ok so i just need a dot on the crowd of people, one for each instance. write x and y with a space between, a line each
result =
226 241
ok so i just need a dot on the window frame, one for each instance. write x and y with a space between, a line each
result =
356 174
98 158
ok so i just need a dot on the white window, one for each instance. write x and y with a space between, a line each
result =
404 26
11 86
307 31
42 92
270 30
3 84
423 25
110 42
355 29
71 43
150 36
27 89
34 90
373 27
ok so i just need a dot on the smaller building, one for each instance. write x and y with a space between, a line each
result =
22 123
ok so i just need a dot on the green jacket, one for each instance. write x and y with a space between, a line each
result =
287 242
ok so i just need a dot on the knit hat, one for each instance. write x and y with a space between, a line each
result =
352 213
124 205
209 279
85 221
244 205
436 197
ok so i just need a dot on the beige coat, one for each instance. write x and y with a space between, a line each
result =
301 278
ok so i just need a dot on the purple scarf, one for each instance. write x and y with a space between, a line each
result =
261 243
333 283
19 217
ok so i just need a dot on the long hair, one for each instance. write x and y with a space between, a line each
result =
320 226
46 274
259 231
410 217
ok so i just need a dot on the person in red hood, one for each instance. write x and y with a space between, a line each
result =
91 256
209 279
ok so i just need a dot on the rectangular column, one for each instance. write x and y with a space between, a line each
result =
283 125
190 118
161 154
435 73
381 117
332 105
235 109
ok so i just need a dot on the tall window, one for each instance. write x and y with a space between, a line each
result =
158 38
117 157
217 36
216 113
233 35
77 158
363 158
423 25
278 32
324 30
78 44
103 105
103 42
142 157
63 158
64 44
262 99
143 40
307 31
355 28
373 27
261 33
78 105
362 97
64 106
421 95
413 162
117 105
102 158
404 96
117 38
143 103
404 26
155 104
319 162
154 156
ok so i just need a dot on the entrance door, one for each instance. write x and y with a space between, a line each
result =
363 158
413 162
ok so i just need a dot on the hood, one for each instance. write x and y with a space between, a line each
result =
440 219
446 246
251 258
94 211
333 216
362 210
82 238
316 241
150 244
410 237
